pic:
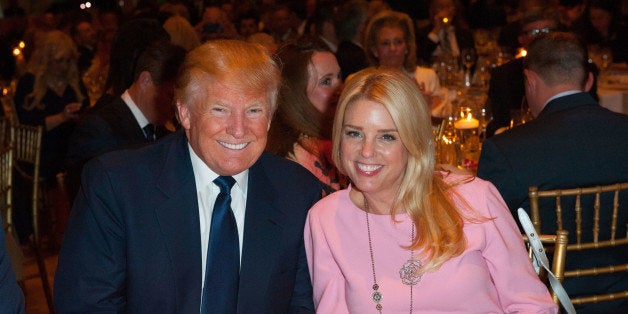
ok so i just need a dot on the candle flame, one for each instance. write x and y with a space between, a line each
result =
521 53
445 20
21 45
16 52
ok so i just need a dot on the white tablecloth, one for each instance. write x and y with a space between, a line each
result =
613 89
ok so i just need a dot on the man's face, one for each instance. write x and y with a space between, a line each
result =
226 127
85 34
248 27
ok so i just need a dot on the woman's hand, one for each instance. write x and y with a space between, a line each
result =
71 111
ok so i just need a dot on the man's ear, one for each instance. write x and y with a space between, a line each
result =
145 79
183 112
590 81
530 78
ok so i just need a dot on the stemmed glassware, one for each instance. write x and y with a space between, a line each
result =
469 57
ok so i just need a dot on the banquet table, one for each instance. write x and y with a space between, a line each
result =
613 88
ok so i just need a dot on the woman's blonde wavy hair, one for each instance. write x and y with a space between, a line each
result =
424 194
51 43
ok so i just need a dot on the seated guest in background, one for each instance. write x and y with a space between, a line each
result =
321 26
137 116
215 25
572 15
446 35
443 234
508 38
605 29
248 24
572 142
129 42
50 95
506 89
350 26
11 296
202 219
181 32
307 101
85 37
390 42
265 40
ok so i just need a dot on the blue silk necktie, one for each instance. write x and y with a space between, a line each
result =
222 271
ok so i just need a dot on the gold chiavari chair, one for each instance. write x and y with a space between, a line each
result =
26 142
5 132
558 245
6 209
602 234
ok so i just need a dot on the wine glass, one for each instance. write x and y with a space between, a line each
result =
469 56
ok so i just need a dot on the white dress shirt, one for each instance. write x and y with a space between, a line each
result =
207 192
137 113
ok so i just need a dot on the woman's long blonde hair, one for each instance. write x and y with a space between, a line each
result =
51 43
426 197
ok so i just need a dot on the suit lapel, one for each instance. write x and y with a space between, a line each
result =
262 233
178 220
126 124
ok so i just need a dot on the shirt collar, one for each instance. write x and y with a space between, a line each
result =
204 176
137 113
561 94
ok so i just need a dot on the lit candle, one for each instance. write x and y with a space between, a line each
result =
467 123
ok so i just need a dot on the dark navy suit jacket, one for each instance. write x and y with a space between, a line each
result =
573 142
11 297
105 129
133 240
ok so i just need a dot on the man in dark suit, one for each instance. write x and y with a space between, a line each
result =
145 218
146 106
445 36
506 92
350 26
572 142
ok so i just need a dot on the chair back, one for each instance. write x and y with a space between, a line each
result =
5 132
596 221
26 142
6 186
558 245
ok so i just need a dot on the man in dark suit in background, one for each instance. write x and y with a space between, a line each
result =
445 36
506 92
572 142
350 26
144 218
146 106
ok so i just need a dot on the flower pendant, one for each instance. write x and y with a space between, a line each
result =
409 272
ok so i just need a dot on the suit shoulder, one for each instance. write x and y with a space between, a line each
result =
136 156
287 172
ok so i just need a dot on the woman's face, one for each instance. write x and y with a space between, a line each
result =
600 19
324 85
371 150
390 47
59 63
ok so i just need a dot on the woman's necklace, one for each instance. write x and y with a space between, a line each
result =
409 272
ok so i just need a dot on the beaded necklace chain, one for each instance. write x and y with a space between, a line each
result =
409 272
